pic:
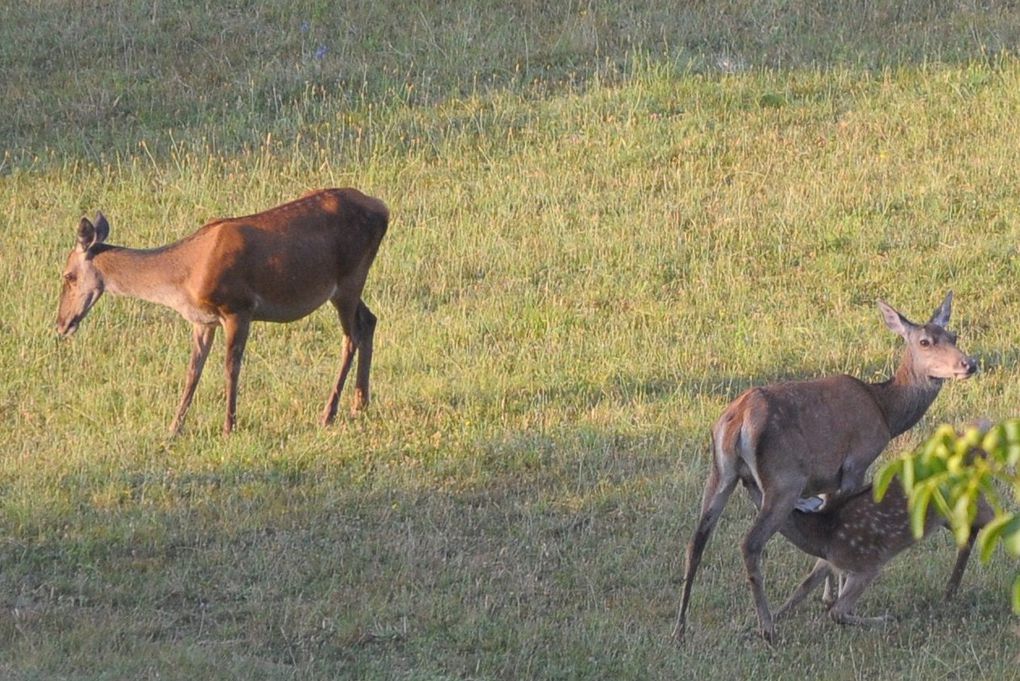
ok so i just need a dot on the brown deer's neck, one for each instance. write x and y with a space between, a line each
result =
906 396
154 275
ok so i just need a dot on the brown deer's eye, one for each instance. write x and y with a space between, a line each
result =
70 277
925 342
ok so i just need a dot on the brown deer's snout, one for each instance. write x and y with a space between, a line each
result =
969 366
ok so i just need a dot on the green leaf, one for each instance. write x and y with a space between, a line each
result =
941 503
993 440
971 438
919 509
1011 429
962 516
885 477
1012 455
907 476
1011 535
990 493
990 536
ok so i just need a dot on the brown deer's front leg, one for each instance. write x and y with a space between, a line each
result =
201 340
333 401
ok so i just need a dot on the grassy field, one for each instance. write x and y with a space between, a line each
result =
607 222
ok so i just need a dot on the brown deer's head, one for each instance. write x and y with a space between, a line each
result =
83 282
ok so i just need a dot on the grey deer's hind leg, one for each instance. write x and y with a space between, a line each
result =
820 571
842 609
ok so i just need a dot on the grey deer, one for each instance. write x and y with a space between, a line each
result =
801 438
855 537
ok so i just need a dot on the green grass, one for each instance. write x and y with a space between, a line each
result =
607 222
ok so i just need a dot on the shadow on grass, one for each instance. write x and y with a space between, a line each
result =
306 568
535 553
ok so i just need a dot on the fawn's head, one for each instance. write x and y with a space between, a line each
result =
931 347
82 280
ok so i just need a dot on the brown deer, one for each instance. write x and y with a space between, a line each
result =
275 266
855 537
802 438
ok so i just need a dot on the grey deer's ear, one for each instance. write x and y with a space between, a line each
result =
91 234
940 317
896 322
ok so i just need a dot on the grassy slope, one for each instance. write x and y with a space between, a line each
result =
599 238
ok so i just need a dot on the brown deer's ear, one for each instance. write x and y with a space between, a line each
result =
86 234
941 316
91 234
102 228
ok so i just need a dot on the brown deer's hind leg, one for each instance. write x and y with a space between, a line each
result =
364 335
236 329
358 325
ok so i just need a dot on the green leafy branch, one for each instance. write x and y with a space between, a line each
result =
954 471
